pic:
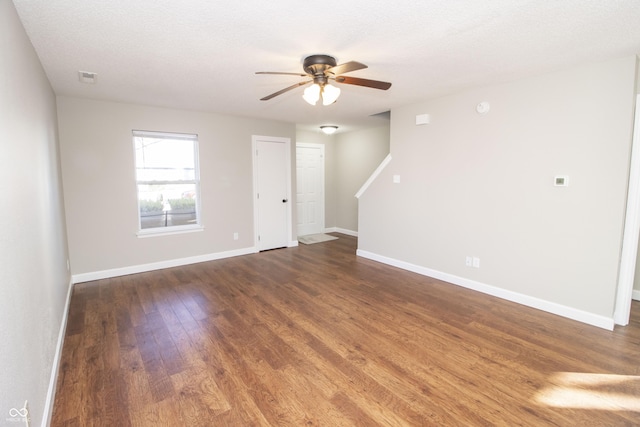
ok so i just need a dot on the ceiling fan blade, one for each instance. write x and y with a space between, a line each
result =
347 67
375 84
286 89
284 74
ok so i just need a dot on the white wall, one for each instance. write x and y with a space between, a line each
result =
100 193
482 185
358 154
34 281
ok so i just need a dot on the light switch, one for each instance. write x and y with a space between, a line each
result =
396 179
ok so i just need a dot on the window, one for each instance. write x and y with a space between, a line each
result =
168 181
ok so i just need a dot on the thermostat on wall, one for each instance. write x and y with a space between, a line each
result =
561 181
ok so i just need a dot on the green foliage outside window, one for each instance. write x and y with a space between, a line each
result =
150 206
182 204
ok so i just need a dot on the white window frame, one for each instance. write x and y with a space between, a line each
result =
173 229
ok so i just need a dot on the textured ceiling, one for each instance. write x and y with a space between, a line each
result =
202 54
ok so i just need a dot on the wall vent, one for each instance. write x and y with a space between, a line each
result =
87 77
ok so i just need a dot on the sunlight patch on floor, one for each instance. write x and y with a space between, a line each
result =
591 391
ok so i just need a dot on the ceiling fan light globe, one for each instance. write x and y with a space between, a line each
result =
312 94
330 94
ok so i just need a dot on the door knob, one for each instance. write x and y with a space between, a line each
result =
285 200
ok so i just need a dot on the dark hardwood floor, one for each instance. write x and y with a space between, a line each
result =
315 336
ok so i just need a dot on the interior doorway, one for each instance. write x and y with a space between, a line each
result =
310 188
272 184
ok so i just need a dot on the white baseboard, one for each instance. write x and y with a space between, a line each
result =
123 271
529 301
292 244
341 230
636 295
53 379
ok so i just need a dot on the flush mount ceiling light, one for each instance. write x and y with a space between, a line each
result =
321 69
329 129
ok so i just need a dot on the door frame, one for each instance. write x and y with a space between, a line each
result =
256 212
322 177
628 256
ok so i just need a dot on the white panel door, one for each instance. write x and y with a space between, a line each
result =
310 188
272 194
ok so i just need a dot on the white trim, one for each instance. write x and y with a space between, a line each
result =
373 176
540 304
53 379
292 244
167 231
133 269
636 295
628 257
341 230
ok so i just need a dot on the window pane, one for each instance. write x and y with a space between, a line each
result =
162 159
167 179
167 205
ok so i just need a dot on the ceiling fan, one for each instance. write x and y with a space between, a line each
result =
322 69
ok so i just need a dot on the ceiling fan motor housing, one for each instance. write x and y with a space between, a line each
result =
316 65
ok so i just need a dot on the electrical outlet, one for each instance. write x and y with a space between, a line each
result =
476 262
469 261
235 236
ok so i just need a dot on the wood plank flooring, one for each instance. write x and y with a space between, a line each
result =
315 336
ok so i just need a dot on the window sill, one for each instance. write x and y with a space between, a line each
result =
157 232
